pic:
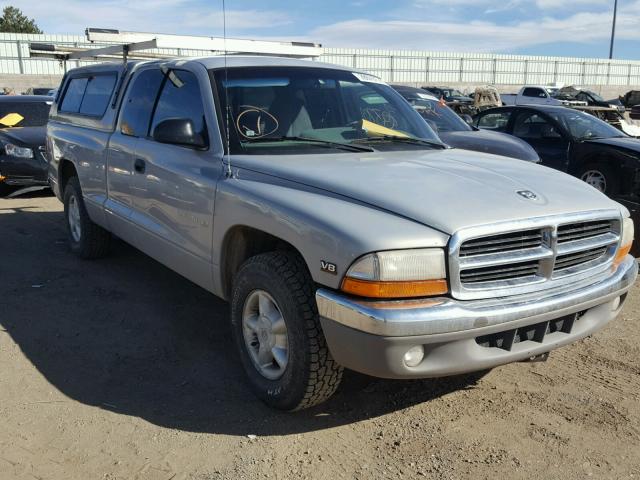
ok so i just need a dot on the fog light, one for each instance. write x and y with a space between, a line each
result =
414 356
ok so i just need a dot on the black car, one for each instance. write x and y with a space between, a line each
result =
589 96
635 113
631 98
448 94
573 142
455 132
23 128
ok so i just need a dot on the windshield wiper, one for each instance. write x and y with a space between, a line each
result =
396 138
327 143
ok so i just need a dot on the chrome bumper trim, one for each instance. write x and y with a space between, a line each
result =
446 315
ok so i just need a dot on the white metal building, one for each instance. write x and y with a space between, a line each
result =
403 66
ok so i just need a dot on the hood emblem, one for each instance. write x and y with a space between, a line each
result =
528 194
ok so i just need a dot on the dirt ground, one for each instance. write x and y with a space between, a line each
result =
121 369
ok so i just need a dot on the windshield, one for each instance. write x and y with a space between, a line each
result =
454 93
583 126
439 117
275 109
24 114
595 96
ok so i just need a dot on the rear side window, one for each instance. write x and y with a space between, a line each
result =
97 95
494 121
138 107
180 98
73 97
88 95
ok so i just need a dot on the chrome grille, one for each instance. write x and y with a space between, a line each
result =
578 231
500 272
502 243
532 255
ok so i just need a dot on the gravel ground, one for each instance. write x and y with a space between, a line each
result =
121 369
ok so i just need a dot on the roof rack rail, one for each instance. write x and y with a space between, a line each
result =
120 45
211 44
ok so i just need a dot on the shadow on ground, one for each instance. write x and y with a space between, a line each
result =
127 335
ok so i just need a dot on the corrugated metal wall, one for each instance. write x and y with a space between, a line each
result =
404 66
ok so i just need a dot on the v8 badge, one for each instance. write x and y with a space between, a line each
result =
328 267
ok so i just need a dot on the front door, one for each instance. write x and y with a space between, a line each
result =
175 185
545 137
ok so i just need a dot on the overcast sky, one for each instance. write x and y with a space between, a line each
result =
538 27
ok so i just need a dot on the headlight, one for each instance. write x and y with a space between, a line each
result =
398 274
626 242
15 151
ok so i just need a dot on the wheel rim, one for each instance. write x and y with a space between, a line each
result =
265 334
596 179
73 216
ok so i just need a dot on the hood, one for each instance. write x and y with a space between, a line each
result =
626 143
25 136
444 189
487 141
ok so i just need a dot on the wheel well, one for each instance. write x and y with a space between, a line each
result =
242 243
67 170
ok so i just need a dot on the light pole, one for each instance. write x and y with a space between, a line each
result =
613 28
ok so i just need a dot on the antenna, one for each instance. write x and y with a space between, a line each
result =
229 172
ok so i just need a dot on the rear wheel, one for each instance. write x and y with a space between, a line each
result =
278 335
601 177
86 239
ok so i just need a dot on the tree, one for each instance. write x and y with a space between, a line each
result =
13 21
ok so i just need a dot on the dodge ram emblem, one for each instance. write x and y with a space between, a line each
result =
528 194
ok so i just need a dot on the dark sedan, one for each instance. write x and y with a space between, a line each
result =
573 142
455 132
448 94
23 128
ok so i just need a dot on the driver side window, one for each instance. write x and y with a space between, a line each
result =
531 126
180 99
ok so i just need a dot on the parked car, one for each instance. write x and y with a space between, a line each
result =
635 113
457 133
535 95
38 91
630 99
23 121
573 142
590 98
345 233
449 94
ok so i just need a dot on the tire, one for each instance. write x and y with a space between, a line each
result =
311 375
601 177
86 239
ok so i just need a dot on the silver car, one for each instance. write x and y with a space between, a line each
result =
341 231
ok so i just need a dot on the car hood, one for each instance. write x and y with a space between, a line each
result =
491 142
444 189
626 143
25 136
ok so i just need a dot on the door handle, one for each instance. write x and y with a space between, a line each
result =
139 165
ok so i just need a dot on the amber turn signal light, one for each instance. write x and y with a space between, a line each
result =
373 289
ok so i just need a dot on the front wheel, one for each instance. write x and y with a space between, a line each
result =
278 335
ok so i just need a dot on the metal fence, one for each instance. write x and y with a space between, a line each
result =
403 66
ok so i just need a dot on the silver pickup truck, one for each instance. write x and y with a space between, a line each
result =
342 232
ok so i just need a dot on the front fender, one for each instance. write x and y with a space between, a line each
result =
320 225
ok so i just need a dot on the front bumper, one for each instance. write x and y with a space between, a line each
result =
372 337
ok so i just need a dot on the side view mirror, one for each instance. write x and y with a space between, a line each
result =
467 118
550 134
178 131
